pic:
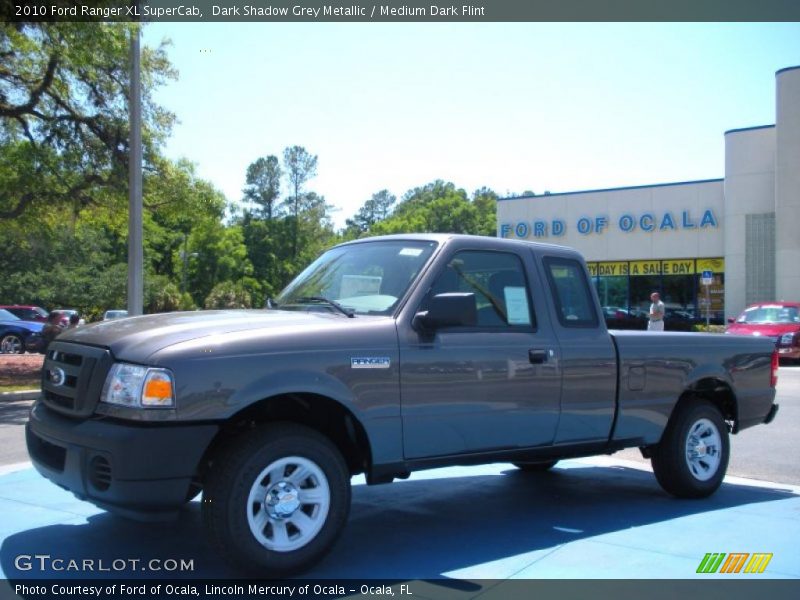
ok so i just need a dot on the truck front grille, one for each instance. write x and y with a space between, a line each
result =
73 376
58 400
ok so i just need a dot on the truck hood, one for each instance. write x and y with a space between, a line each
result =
137 338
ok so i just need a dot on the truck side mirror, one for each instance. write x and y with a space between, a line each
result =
448 310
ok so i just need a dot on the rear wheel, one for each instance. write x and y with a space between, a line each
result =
12 344
275 501
692 457
536 467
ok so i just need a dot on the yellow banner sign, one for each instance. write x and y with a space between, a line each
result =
715 265
678 267
608 269
645 267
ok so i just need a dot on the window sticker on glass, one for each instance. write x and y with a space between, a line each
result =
359 285
410 252
517 306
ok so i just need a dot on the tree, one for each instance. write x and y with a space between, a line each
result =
220 256
264 185
228 295
63 113
300 167
485 202
441 207
375 209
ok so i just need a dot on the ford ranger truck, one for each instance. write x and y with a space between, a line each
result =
385 356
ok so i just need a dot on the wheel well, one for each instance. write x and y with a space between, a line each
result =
719 394
318 412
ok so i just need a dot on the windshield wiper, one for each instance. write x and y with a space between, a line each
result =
349 312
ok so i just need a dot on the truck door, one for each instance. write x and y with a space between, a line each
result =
493 386
588 359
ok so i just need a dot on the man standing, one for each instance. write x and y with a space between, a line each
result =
51 330
656 322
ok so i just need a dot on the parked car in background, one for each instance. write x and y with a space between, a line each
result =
621 318
66 313
15 333
26 312
679 319
110 315
779 321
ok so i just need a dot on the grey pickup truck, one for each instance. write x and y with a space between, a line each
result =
385 356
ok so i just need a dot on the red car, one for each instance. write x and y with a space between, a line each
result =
777 320
27 312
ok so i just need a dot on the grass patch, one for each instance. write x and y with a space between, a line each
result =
20 387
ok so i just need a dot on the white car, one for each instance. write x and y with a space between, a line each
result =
114 314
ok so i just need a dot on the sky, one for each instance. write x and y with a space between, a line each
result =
510 106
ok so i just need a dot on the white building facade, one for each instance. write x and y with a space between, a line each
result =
742 230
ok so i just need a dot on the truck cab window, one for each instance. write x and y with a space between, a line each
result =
498 281
573 299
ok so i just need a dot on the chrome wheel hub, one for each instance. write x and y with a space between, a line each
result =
288 504
703 449
282 500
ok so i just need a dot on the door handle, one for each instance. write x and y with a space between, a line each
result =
537 356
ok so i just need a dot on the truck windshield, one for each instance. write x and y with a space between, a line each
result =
366 278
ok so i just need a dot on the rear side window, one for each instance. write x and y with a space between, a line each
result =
571 292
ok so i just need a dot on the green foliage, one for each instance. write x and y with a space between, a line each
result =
440 207
161 295
63 113
187 302
264 186
216 254
701 327
376 209
228 294
300 166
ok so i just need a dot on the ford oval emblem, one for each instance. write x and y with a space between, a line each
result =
56 376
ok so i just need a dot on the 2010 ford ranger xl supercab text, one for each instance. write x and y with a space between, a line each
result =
385 356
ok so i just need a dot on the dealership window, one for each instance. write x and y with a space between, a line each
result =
613 292
641 288
627 285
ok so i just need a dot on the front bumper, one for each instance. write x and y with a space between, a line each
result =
140 471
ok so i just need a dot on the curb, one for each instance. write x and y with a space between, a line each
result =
14 467
21 395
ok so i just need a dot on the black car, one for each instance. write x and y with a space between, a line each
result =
16 335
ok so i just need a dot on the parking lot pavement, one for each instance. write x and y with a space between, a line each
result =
588 518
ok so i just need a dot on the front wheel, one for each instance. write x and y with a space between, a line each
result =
12 344
275 501
692 457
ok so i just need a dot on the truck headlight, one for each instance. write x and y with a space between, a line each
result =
138 387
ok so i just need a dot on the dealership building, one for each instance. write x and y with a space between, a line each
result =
741 232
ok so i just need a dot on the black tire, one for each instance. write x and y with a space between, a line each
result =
676 471
12 344
536 467
233 477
